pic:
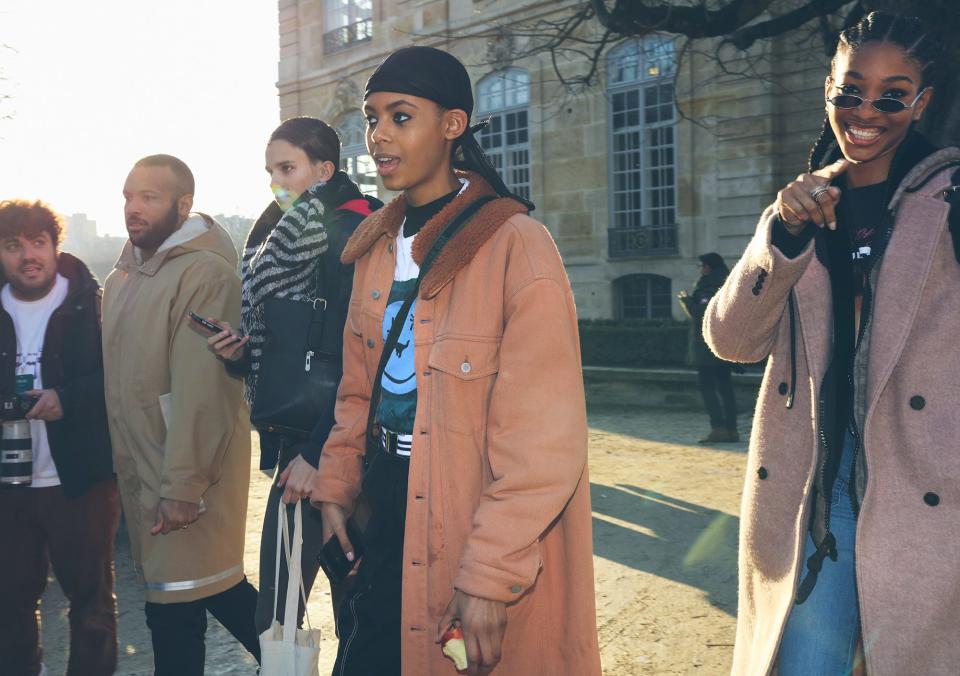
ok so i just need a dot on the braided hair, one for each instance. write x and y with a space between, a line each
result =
906 32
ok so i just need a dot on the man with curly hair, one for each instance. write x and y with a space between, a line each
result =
50 352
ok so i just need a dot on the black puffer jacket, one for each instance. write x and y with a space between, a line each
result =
72 363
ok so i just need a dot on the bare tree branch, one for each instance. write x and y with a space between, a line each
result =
4 95
744 38
577 39
633 17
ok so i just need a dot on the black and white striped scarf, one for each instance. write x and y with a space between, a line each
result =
281 264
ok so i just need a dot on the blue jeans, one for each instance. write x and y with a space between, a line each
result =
822 633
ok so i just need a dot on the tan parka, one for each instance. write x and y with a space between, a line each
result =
178 422
498 491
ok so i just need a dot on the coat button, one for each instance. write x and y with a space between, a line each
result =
917 402
465 367
756 290
515 589
763 473
783 389
370 343
932 499
375 295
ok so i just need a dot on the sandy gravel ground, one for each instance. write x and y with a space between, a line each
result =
665 530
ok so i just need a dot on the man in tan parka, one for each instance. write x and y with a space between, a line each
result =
177 419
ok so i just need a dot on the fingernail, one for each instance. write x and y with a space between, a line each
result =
349 556
833 225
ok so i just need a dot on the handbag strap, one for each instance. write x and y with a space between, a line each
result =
320 303
289 619
397 326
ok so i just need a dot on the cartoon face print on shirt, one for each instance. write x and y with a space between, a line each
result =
399 375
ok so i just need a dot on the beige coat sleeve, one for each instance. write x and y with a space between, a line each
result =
536 435
206 400
741 320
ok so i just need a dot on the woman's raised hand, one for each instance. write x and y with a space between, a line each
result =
228 344
811 199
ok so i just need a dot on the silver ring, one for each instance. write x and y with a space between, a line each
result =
818 191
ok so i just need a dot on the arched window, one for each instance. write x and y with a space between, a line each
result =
504 97
643 296
354 159
643 147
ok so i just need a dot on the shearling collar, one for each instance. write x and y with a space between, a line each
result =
458 252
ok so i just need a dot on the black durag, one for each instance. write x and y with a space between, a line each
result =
438 76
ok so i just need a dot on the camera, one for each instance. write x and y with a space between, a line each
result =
16 406
16 444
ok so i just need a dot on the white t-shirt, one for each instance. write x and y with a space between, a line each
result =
406 268
30 319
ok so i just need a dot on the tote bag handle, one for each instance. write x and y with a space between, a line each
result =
295 589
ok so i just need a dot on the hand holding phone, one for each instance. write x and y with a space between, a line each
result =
224 342
334 562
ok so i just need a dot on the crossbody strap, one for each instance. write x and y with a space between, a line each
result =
397 326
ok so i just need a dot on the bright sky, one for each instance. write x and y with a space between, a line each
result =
97 85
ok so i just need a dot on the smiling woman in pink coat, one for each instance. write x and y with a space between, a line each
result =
477 472
850 530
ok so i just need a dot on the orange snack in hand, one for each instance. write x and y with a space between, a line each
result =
452 645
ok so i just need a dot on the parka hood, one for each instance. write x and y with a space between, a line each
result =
199 232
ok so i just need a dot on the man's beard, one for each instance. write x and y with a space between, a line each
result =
157 233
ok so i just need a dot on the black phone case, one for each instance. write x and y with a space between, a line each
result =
333 561
208 325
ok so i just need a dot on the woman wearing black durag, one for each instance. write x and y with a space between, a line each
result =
713 374
474 456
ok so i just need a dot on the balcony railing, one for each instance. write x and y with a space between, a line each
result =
347 36
658 240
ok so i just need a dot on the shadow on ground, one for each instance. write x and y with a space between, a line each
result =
673 427
673 539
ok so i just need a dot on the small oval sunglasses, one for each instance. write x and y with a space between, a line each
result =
883 104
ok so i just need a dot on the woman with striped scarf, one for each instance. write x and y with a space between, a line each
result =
317 208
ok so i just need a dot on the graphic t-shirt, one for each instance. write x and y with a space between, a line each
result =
860 212
30 319
398 400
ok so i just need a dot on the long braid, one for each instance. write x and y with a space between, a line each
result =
823 143
905 32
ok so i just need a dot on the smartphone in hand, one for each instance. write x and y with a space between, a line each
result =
212 327
334 562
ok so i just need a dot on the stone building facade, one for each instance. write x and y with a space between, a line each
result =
631 188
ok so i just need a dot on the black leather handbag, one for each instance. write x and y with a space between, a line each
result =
301 364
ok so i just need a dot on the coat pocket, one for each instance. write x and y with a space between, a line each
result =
466 370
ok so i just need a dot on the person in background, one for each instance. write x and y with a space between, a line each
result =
713 374
178 422
67 517
317 208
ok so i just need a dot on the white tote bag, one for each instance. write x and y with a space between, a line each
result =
285 649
